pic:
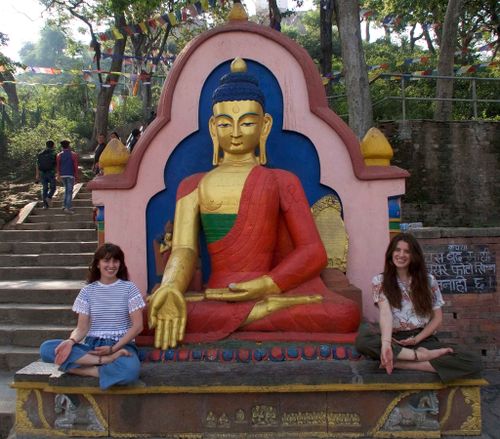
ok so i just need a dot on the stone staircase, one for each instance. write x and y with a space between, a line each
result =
43 263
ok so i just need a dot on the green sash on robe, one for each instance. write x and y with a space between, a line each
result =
217 225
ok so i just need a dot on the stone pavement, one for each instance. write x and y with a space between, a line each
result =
490 397
7 403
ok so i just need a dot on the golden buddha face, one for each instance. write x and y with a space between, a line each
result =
239 127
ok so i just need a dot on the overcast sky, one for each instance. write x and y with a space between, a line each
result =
21 20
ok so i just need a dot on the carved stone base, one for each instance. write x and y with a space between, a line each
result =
265 400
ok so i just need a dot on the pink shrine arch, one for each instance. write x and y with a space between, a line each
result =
364 190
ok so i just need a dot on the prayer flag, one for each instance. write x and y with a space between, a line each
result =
117 34
199 7
128 30
172 18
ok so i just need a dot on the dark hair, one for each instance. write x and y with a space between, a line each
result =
116 134
49 144
65 143
420 292
136 132
107 251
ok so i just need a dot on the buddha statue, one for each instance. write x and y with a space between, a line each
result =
265 251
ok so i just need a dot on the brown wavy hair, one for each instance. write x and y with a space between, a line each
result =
107 251
420 291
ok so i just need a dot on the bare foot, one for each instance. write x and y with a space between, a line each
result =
424 354
106 359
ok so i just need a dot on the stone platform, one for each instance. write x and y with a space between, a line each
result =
266 399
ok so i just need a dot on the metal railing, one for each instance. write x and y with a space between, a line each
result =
404 80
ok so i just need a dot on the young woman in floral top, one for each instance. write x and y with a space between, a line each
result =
409 302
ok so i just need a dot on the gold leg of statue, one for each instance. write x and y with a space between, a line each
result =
271 304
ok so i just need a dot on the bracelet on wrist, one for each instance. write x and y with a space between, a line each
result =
73 340
387 340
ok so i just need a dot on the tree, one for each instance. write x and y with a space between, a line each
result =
274 15
444 87
355 70
89 14
8 81
148 47
48 51
326 8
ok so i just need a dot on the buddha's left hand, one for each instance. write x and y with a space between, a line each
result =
250 290
167 313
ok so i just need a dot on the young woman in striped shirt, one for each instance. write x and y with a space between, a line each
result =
109 312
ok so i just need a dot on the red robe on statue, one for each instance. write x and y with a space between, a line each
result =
274 234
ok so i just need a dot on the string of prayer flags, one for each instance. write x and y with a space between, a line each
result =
173 18
418 60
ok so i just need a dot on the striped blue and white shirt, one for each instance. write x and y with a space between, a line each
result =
109 307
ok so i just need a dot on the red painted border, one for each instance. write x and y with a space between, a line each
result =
317 104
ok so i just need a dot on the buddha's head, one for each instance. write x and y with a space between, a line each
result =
239 124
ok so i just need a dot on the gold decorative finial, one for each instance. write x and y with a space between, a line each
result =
238 65
237 12
376 149
114 157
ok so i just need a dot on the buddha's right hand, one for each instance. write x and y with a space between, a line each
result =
167 313
254 289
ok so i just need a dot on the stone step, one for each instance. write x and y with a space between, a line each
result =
48 235
84 194
37 314
31 335
48 247
51 211
58 217
43 272
62 292
17 357
76 202
46 259
57 225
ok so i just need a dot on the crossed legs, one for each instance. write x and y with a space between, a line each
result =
419 359
89 363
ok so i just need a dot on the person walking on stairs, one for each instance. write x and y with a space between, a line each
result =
45 172
67 173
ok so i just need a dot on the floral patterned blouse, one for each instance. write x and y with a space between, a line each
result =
406 319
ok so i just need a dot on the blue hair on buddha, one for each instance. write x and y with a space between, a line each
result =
238 86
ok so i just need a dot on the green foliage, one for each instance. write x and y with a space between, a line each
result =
74 101
386 91
305 29
478 23
25 143
55 49
125 110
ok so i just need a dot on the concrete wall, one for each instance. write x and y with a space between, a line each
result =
471 319
455 171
